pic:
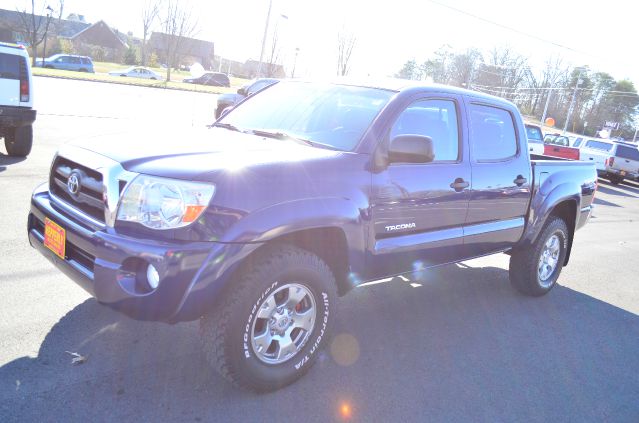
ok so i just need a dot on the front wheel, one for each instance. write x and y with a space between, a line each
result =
268 329
534 269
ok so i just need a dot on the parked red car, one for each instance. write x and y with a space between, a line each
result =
559 146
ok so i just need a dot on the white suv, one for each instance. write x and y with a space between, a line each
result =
16 100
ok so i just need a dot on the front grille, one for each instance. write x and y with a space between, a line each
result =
89 197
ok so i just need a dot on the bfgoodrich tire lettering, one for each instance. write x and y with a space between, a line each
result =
228 330
534 270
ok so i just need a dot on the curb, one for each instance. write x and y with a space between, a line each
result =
126 83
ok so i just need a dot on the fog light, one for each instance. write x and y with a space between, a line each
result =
152 276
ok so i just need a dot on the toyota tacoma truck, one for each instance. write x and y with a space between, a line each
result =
257 224
16 100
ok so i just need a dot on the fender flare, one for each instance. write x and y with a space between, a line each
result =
261 227
543 206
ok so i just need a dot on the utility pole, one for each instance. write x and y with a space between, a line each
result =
297 50
572 102
268 18
635 137
46 30
543 116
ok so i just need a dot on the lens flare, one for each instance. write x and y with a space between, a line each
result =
345 411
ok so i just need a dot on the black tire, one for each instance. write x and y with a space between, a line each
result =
525 262
228 329
83 70
615 179
18 141
49 67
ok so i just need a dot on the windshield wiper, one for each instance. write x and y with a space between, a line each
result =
226 126
284 136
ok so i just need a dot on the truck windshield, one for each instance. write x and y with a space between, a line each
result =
334 115
533 133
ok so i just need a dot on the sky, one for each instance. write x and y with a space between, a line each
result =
599 34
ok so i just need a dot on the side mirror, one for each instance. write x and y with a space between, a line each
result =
242 91
411 149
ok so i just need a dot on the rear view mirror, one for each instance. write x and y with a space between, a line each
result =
242 91
411 149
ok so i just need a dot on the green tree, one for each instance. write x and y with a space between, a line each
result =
131 56
441 67
408 71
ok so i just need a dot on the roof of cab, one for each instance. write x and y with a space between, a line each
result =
399 85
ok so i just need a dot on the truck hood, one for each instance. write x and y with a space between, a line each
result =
198 153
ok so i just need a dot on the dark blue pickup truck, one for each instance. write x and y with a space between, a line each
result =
257 224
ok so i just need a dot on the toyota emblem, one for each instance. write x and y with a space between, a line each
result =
73 184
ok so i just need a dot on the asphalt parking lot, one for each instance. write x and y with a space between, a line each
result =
457 345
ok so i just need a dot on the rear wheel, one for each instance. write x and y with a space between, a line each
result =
18 141
267 331
534 269
615 179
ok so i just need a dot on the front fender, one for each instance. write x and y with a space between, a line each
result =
262 226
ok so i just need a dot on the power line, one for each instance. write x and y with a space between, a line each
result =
627 93
463 12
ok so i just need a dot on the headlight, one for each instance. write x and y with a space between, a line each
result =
161 203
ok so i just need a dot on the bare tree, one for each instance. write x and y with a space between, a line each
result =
150 13
34 27
345 44
178 24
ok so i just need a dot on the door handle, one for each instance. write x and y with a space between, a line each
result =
555 149
520 180
459 184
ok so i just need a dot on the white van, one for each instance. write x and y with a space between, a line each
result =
16 100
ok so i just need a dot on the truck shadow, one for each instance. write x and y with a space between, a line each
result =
455 343
601 202
626 189
9 160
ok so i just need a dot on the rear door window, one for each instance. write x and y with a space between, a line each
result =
492 131
630 153
9 66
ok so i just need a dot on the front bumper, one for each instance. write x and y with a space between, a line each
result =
111 267
16 116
